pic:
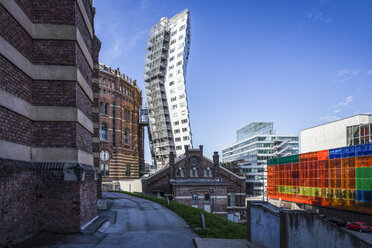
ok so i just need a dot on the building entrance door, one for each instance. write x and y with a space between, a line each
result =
207 208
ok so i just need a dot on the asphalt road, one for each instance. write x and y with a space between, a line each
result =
364 235
138 223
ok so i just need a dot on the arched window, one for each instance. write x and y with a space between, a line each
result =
126 136
106 109
179 172
194 172
101 108
103 132
127 170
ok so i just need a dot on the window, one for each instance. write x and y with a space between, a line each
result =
195 198
170 75
174 106
102 168
178 147
183 112
182 104
101 108
127 170
126 136
106 109
171 83
179 63
179 172
173 41
178 139
182 28
180 55
185 138
180 37
174 115
181 45
107 171
176 123
103 132
174 32
207 197
173 99
179 72
184 121
179 80
172 91
112 85
195 172
231 199
172 50
176 131
171 59
184 129
181 96
207 172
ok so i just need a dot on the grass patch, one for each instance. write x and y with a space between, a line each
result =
216 227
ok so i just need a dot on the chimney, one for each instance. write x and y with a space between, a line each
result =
187 150
201 150
216 163
135 82
171 165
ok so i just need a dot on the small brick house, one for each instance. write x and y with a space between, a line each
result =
195 180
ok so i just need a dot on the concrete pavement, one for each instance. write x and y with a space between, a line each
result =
132 222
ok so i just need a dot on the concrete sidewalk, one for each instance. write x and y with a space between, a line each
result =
224 243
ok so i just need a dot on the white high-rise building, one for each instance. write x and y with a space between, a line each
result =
166 59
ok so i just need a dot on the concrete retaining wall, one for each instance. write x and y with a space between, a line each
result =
265 226
274 227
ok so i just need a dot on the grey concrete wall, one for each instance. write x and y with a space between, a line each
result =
274 227
264 226
309 230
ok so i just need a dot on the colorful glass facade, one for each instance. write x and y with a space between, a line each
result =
339 178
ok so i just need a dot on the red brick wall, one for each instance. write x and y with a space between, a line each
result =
54 52
83 102
11 31
54 93
53 12
14 127
14 80
18 207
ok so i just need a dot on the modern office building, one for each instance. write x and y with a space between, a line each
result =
166 59
349 131
256 143
120 133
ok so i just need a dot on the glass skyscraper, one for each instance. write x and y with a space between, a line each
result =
166 59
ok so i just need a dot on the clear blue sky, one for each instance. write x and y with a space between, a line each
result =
296 63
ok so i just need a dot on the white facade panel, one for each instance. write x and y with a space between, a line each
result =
330 135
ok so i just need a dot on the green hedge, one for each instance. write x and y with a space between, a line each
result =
216 227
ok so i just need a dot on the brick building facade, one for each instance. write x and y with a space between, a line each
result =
48 59
194 180
120 135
